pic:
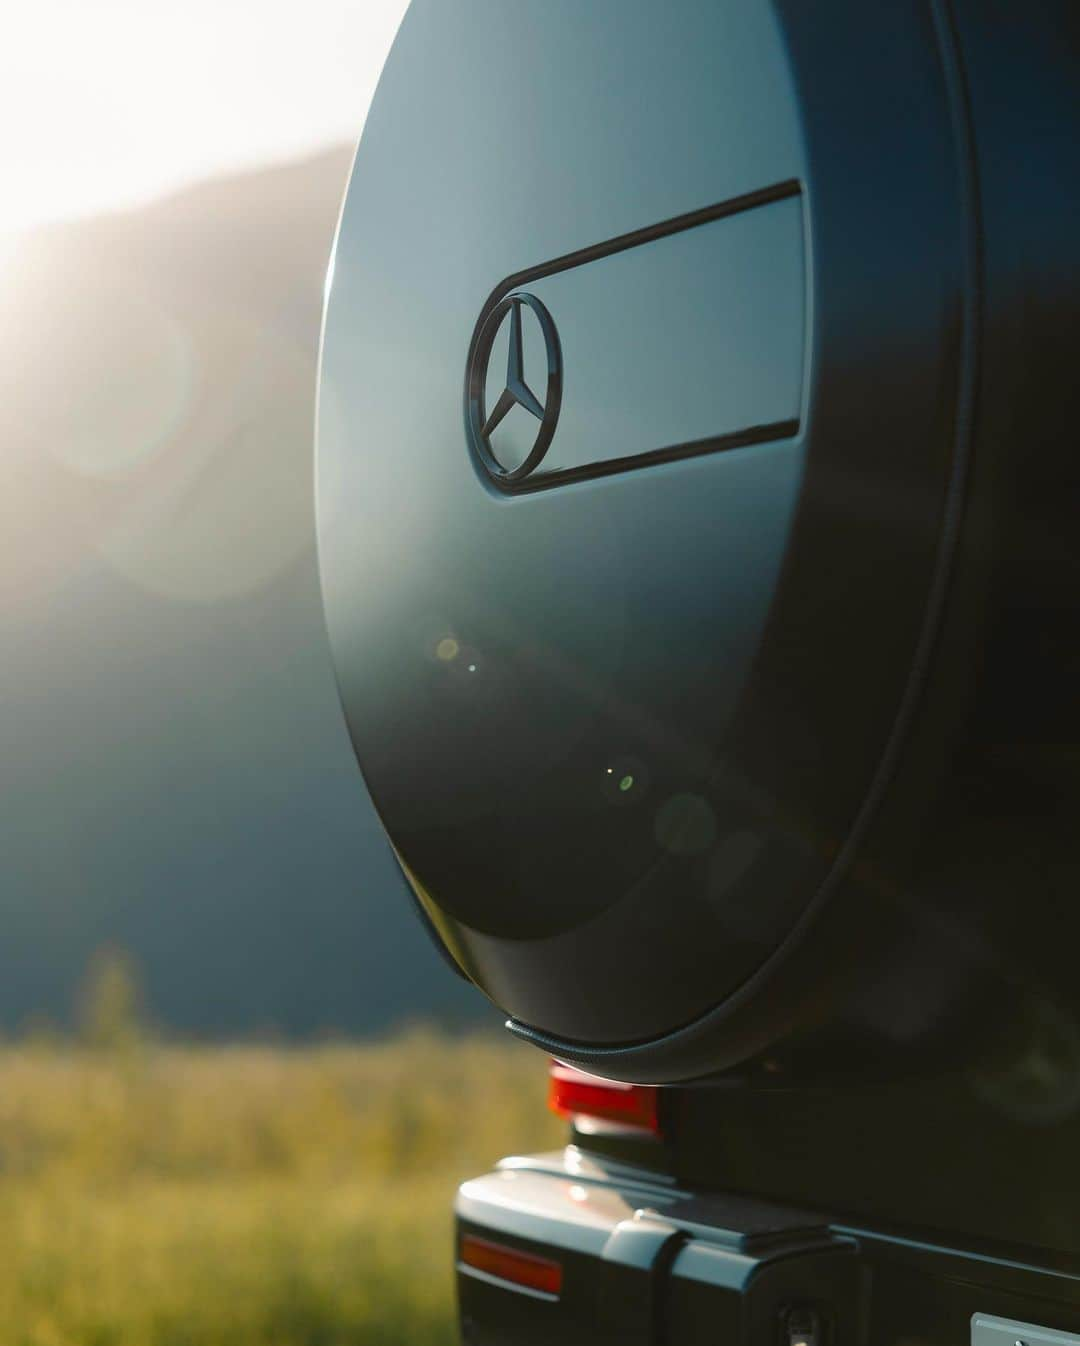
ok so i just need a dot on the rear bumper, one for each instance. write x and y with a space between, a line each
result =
640 1260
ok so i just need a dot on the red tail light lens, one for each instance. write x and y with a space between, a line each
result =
572 1093
512 1265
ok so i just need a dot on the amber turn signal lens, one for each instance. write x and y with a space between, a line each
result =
511 1265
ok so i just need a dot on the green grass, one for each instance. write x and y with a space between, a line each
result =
166 1196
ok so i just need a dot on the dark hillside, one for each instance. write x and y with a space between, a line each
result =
176 774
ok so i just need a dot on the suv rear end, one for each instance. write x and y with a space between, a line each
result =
697 499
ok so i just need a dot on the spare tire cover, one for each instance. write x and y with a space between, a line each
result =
635 425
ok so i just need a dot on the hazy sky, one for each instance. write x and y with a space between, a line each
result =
108 102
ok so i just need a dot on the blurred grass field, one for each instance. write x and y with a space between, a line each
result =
157 1195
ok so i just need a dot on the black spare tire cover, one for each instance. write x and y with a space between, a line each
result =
637 424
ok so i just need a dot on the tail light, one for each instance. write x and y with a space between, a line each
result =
575 1095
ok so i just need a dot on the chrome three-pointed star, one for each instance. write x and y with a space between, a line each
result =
517 392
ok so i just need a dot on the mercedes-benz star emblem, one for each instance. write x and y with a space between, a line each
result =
516 391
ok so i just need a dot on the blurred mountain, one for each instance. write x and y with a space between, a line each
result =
176 773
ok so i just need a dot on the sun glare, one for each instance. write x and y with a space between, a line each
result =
113 103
